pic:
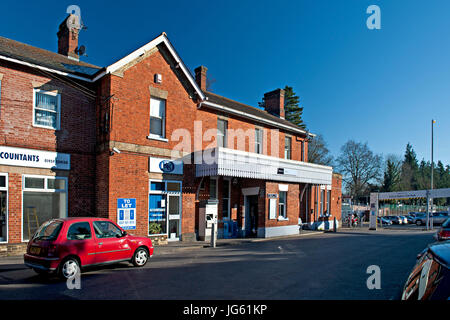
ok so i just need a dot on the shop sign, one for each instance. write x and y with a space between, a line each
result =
126 213
272 195
34 158
161 165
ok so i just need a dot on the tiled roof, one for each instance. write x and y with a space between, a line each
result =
44 58
214 98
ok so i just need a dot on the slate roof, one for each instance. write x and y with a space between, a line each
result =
220 100
44 58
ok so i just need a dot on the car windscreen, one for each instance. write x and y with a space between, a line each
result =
48 231
446 224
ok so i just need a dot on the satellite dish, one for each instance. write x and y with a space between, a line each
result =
81 50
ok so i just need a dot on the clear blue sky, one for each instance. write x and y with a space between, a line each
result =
377 86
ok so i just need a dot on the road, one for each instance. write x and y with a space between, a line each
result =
320 266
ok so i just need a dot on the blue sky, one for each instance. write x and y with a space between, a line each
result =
382 87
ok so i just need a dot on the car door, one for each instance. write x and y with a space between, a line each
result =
110 244
80 242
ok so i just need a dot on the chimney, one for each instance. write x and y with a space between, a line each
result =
68 37
274 102
200 77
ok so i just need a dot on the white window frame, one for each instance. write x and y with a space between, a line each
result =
328 206
161 137
167 193
58 117
282 215
286 149
45 189
5 188
259 133
223 135
322 202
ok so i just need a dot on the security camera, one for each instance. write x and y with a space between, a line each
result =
115 150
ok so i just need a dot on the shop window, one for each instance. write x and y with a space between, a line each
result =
165 209
322 202
222 127
157 117
287 147
282 204
3 208
46 109
258 141
44 198
79 231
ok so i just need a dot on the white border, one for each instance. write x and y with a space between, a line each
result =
50 93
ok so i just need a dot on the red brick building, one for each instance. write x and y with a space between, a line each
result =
79 140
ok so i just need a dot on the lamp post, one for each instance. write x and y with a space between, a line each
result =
432 169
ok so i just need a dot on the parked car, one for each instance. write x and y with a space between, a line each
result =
384 220
404 219
440 217
430 277
420 219
444 231
410 219
65 246
394 219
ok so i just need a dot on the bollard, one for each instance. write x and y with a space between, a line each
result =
334 225
213 234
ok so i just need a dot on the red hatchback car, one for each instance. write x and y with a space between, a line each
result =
66 245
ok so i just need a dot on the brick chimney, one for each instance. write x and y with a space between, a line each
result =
200 77
68 38
274 102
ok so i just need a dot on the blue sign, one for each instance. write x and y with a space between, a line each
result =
126 213
166 166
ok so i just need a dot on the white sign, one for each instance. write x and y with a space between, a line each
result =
162 165
34 158
402 195
126 213
272 208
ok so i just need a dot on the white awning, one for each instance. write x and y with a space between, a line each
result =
235 163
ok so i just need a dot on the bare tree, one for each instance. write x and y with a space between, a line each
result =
359 166
318 151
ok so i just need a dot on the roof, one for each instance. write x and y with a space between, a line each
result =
252 111
14 50
442 251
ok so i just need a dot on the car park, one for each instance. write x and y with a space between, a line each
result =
404 219
420 219
384 221
394 219
443 233
410 219
65 246
430 277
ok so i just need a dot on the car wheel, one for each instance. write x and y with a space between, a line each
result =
69 268
140 257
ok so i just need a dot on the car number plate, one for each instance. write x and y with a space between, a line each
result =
35 250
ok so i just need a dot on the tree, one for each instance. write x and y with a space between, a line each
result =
409 170
318 151
359 166
392 174
292 110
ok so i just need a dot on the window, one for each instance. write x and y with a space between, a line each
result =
226 198
258 141
322 202
106 229
3 208
49 231
328 201
213 188
287 147
43 198
157 117
222 126
282 204
79 231
46 109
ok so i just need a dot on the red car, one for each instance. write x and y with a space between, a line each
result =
66 245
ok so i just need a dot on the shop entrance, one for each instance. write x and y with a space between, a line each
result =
251 216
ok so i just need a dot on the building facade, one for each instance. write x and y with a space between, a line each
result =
144 138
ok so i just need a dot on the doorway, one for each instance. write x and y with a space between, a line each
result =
251 216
